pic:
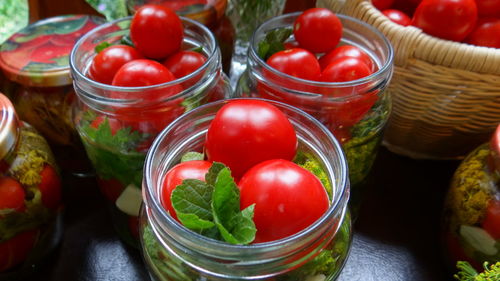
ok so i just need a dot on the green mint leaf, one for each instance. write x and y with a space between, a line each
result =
198 49
192 200
273 42
194 222
101 46
126 40
213 172
192 156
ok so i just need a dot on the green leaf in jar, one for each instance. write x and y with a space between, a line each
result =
273 42
191 156
101 46
191 201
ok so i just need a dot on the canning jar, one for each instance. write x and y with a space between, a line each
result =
118 124
172 252
357 118
30 196
472 208
35 61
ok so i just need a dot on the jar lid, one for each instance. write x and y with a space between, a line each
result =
8 126
495 149
38 55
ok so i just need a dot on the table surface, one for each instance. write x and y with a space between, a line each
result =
396 236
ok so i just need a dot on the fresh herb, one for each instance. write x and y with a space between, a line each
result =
191 156
101 46
273 42
214 204
198 49
307 162
111 9
14 15
468 273
126 40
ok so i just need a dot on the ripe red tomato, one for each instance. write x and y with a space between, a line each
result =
15 250
105 64
446 19
50 187
382 4
287 198
184 63
296 62
113 123
345 69
346 51
317 30
486 33
156 31
406 6
111 188
11 194
397 16
491 222
488 8
186 170
246 132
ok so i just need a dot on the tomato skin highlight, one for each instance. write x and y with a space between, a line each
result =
346 51
246 132
318 30
11 194
287 198
486 33
156 31
397 16
106 63
295 62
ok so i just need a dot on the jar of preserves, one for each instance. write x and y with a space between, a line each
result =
172 252
118 124
35 61
30 196
472 207
354 111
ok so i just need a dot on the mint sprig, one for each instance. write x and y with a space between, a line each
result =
212 208
273 42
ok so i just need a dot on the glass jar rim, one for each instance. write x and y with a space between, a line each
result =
387 66
76 71
336 205
8 125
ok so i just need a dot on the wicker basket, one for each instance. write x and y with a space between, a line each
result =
446 95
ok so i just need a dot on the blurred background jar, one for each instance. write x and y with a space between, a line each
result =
172 252
472 208
118 124
35 62
357 119
30 197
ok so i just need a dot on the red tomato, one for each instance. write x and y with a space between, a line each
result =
397 16
15 250
50 187
488 8
382 4
246 132
486 33
446 19
156 31
345 69
406 6
174 177
184 63
112 188
491 222
317 30
296 62
113 123
105 64
133 226
346 51
287 198
11 194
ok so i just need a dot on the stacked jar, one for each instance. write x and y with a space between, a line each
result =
118 124
30 196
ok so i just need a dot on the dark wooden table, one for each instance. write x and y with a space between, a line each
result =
396 235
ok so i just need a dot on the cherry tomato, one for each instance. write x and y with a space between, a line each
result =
113 123
105 64
15 250
486 33
491 222
246 132
156 31
346 51
50 187
184 63
133 226
397 16
406 6
317 30
287 198
345 69
111 188
488 8
446 19
11 194
186 170
296 62
382 4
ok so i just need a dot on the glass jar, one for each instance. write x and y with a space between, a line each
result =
118 124
35 61
172 252
357 118
30 196
472 208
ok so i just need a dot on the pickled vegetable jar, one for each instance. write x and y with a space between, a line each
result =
317 252
30 196
472 208
35 61
354 111
118 124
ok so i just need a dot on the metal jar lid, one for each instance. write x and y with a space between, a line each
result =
38 55
9 125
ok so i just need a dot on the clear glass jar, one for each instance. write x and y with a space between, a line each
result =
472 208
174 253
30 197
357 120
35 61
117 124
